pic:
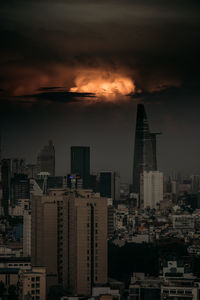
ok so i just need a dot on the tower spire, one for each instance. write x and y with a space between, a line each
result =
145 148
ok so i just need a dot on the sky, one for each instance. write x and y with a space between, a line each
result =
73 71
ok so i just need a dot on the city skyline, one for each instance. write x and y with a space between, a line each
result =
67 68
102 157
93 204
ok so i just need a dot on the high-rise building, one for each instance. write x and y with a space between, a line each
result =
6 191
151 189
46 159
109 185
145 148
18 166
94 182
69 238
20 188
80 164
13 182
55 182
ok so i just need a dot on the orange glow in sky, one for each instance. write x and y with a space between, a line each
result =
103 84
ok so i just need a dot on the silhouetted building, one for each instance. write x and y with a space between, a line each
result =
106 184
46 159
55 182
109 185
6 177
145 148
20 188
80 164
94 183
18 166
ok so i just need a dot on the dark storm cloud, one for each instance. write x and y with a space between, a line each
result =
52 95
155 40
46 43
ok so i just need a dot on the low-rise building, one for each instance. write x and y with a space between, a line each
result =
32 283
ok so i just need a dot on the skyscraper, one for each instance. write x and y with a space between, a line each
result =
11 174
6 191
46 159
80 164
109 185
20 188
145 148
69 238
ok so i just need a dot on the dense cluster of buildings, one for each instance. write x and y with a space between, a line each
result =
54 230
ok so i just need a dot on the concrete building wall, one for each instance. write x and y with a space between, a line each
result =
27 233
32 283
151 189
44 236
69 238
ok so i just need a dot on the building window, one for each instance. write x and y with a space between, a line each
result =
32 278
37 278
188 292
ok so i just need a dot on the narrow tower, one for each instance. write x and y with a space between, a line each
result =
145 148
